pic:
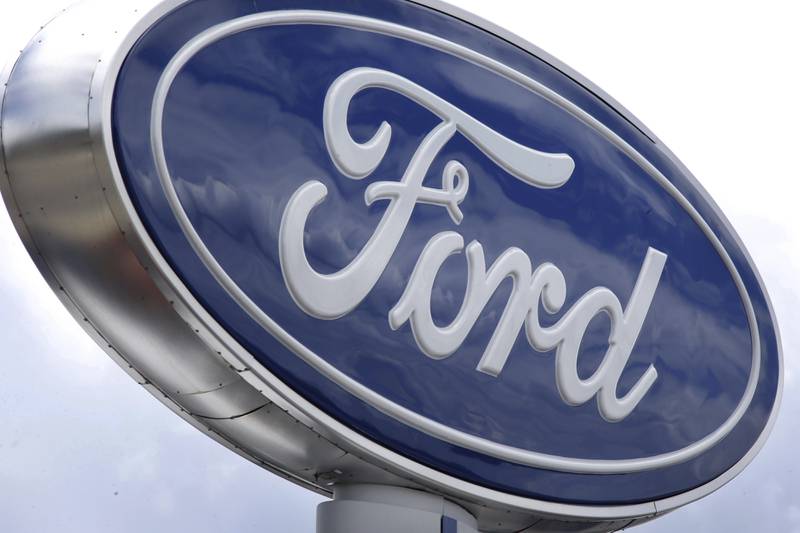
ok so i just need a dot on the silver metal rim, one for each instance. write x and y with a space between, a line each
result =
402 414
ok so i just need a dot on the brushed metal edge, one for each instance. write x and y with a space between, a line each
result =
78 311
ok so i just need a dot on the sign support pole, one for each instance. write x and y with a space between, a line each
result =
384 509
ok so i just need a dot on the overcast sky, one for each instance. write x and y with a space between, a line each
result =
84 449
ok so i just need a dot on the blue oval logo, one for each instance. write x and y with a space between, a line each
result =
450 246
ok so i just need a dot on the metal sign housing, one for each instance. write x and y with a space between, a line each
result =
388 242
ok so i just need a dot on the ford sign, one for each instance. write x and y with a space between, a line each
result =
382 241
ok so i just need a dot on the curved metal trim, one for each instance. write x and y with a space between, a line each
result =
74 307
322 422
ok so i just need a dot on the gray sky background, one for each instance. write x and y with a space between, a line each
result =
84 449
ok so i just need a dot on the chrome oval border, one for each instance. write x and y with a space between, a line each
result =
396 411
99 123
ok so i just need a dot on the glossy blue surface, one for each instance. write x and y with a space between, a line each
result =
243 130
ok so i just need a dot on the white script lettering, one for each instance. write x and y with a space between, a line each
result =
330 296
